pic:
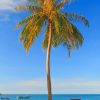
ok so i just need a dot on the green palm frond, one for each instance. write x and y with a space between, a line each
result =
55 41
31 31
64 2
56 37
58 5
56 24
27 19
62 25
76 17
77 35
46 37
29 8
73 40
40 2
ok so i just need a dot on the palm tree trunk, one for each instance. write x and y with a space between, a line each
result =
48 64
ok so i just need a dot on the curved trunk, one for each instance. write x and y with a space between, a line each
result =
48 63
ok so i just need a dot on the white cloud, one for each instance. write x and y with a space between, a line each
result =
59 86
9 5
30 86
76 87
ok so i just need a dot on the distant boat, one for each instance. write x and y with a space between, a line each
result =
23 97
75 99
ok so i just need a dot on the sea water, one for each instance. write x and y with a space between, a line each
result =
54 97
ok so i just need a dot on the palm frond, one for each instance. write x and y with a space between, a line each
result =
77 17
31 31
46 37
77 35
29 8
74 39
40 2
27 19
66 2
56 24
62 25
55 41
58 5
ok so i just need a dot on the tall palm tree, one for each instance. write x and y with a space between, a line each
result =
59 28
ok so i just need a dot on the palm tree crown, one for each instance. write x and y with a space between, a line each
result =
44 12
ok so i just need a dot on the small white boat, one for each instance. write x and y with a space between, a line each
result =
23 97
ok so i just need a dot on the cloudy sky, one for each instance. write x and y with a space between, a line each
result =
25 73
10 4
7 4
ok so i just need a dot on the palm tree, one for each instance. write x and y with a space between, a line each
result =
59 28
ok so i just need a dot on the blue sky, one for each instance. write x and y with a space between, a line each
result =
25 73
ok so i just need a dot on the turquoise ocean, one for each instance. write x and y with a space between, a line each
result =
55 97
